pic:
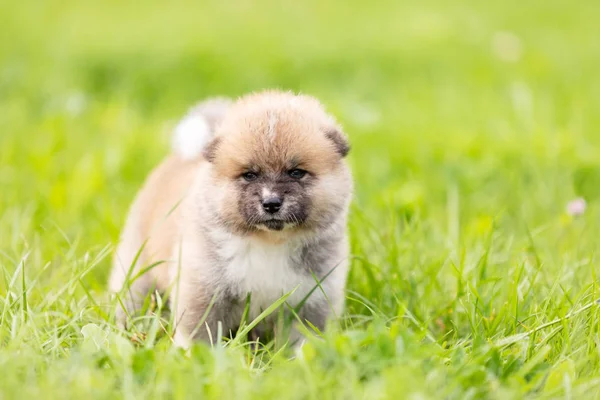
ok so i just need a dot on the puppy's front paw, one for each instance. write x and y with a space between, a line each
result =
182 340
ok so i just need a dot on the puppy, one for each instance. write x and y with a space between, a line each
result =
252 205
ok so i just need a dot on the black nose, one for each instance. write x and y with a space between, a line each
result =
272 204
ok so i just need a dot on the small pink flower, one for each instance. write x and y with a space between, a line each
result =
576 207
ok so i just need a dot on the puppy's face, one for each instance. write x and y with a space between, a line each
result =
278 164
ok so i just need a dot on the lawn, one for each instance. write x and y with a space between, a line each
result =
473 124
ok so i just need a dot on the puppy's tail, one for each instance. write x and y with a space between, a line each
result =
198 126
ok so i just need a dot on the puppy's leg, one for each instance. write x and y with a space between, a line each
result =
132 299
315 314
191 320
324 304
126 265
290 329
199 311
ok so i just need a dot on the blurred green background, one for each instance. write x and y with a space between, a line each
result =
473 123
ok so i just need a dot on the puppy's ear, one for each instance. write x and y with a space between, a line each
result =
210 149
339 140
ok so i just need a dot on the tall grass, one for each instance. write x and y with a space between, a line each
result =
472 124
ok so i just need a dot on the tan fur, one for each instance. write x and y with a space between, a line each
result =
244 140
189 211
155 219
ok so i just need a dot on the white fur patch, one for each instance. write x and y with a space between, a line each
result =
191 135
265 271
272 122
266 192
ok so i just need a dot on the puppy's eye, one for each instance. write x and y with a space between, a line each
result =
297 173
250 176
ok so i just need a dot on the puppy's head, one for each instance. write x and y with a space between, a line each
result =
277 164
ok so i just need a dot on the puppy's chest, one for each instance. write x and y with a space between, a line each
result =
265 271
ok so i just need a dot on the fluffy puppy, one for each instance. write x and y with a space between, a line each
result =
252 205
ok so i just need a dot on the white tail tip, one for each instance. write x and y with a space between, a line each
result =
191 135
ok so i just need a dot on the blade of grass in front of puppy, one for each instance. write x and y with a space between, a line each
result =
302 324
203 319
246 313
127 283
318 285
295 310
143 271
155 322
269 310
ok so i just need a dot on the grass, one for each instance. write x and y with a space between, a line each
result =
472 124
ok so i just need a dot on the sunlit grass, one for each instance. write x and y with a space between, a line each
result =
473 124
